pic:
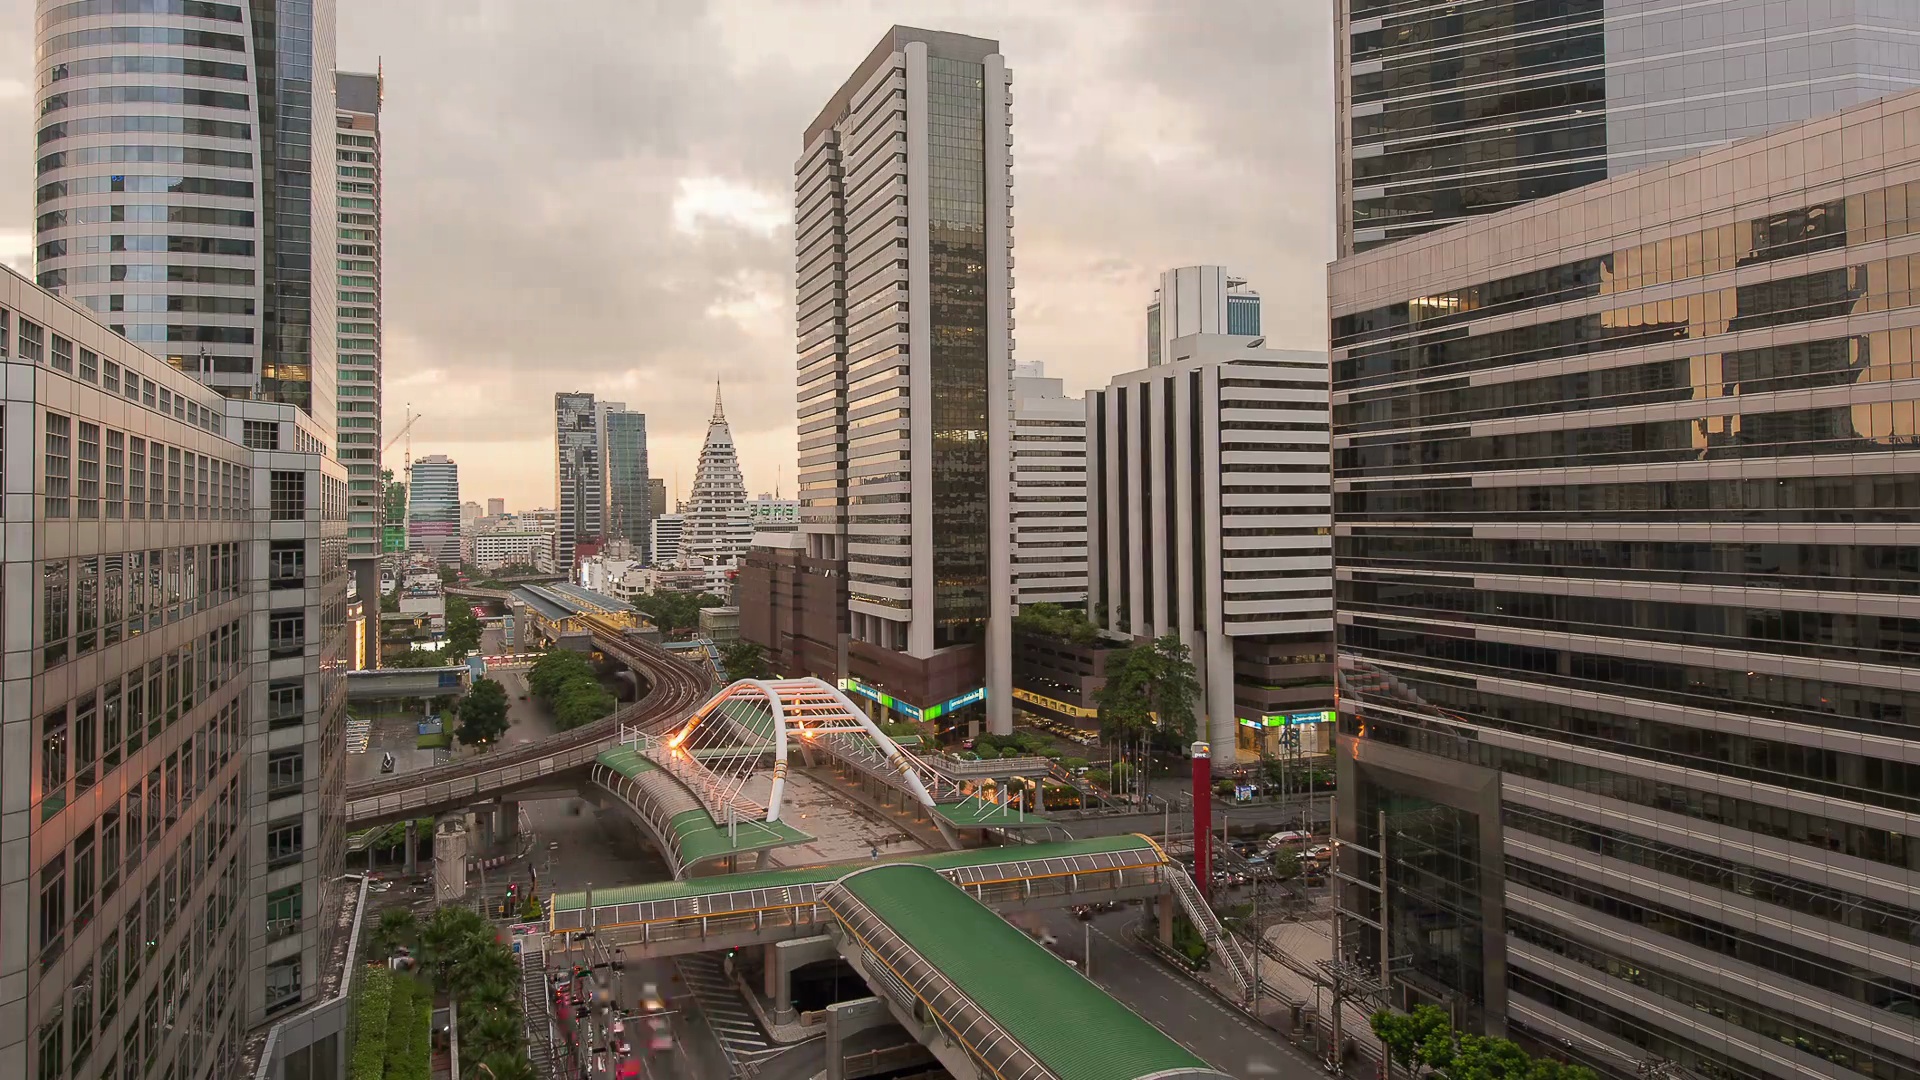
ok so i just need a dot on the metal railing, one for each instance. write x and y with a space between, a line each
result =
1220 944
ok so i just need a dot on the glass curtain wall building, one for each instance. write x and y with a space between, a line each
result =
1448 110
904 243
175 188
628 512
433 509
1625 521
357 264
579 490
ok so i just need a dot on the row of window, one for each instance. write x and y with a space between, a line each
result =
84 741
92 472
1882 568
143 184
1890 499
32 344
90 602
139 35
107 243
144 95
125 154
145 212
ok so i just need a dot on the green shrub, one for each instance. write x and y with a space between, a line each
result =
433 742
409 1031
371 1002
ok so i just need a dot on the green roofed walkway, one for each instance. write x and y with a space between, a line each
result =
948 965
684 830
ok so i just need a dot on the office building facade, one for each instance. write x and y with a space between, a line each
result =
903 238
628 497
1199 300
579 483
176 189
664 535
1625 500
1049 490
433 509
356 139
1209 519
1447 111
148 544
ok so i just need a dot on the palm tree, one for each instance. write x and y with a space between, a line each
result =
491 1033
502 1067
398 929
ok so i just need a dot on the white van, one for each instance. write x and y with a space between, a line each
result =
1289 838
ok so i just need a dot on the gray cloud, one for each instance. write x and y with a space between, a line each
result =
594 194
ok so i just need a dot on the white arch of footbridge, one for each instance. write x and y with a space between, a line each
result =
719 749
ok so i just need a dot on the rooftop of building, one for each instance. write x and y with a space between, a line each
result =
896 39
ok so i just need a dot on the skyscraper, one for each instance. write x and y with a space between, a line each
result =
433 509
356 139
717 526
1199 300
1049 490
579 489
904 301
1624 504
627 482
656 495
1447 111
176 190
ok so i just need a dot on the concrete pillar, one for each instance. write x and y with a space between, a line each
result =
1039 798
483 821
1166 919
509 820
413 844
847 1018
785 957
450 861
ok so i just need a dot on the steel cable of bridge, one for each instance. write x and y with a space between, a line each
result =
674 690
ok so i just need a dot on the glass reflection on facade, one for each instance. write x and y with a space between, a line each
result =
1625 542
957 279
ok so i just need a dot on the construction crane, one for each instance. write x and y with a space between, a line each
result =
406 432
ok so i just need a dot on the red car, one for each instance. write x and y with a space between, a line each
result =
629 1070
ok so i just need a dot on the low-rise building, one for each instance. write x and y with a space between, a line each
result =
495 548
793 606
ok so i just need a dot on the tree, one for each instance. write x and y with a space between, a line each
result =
1425 1039
1149 696
412 658
674 612
745 660
1286 865
581 701
1057 622
504 1067
483 713
398 929
463 634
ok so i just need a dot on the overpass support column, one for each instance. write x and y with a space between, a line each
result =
1039 797
783 958
1166 919
509 828
848 1018
413 845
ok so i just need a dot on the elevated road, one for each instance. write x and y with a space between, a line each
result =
674 690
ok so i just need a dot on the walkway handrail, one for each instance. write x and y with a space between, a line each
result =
1219 943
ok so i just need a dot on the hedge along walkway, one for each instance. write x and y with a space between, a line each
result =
371 1004
408 1023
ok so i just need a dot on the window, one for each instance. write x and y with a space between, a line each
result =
53 910
134 818
285 841
287 564
116 473
53 762
260 434
286 769
85 881
62 354
283 984
287 495
108 988
55 617
87 476
32 342
147 392
59 464
86 743
132 389
110 851
286 704
173 483
112 728
283 911
110 380
286 633
89 369
136 477
87 606
53 1048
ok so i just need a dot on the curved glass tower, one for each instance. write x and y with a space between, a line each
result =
175 194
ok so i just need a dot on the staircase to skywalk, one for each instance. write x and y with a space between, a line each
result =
534 1008
1221 945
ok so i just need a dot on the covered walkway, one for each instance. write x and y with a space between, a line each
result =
987 999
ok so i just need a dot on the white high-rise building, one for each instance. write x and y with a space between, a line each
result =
1199 300
903 234
356 139
665 534
1049 489
579 490
175 190
1210 512
433 509
717 526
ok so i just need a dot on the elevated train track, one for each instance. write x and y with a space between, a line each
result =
674 690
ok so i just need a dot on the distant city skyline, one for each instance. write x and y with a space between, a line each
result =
692 282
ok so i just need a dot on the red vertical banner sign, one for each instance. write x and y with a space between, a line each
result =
1203 818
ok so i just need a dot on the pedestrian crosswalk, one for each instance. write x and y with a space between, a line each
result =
359 733
726 1015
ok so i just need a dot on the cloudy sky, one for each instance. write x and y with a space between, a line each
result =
597 195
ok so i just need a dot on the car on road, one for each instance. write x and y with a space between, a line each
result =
1288 838
659 1034
650 999
629 1070
1320 851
